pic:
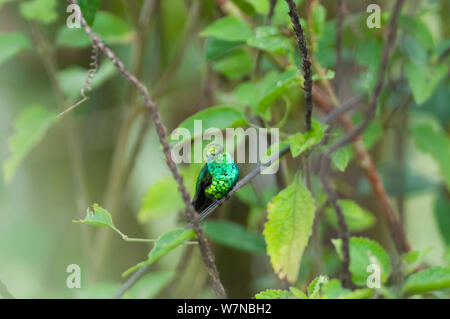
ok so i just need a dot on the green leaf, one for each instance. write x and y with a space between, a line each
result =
88 9
318 15
289 226
41 10
423 80
340 158
269 38
439 149
234 65
412 259
274 294
163 198
220 117
30 126
215 48
229 29
357 218
73 78
235 236
112 29
442 215
11 44
298 293
163 245
275 85
248 94
97 217
300 142
364 293
368 53
260 6
316 286
364 252
418 29
333 290
149 286
434 278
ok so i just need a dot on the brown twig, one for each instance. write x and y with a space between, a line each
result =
207 256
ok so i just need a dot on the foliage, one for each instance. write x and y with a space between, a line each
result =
228 65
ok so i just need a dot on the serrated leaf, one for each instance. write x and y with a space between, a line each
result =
11 44
97 216
30 127
434 278
40 10
220 117
316 286
340 158
300 142
234 65
363 252
89 9
274 294
112 29
289 226
229 29
357 218
269 38
163 245
235 236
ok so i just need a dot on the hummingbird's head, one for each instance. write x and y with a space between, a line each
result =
213 151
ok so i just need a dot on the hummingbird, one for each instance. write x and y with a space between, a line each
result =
216 178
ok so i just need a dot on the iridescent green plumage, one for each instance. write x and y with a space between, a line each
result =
217 177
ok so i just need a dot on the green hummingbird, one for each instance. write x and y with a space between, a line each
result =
216 178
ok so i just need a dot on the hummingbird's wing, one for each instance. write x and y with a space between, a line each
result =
204 179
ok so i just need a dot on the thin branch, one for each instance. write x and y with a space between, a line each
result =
4 292
301 41
207 256
343 229
344 108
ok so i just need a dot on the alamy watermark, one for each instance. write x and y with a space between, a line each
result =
234 142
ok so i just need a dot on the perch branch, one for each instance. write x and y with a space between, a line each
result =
207 256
